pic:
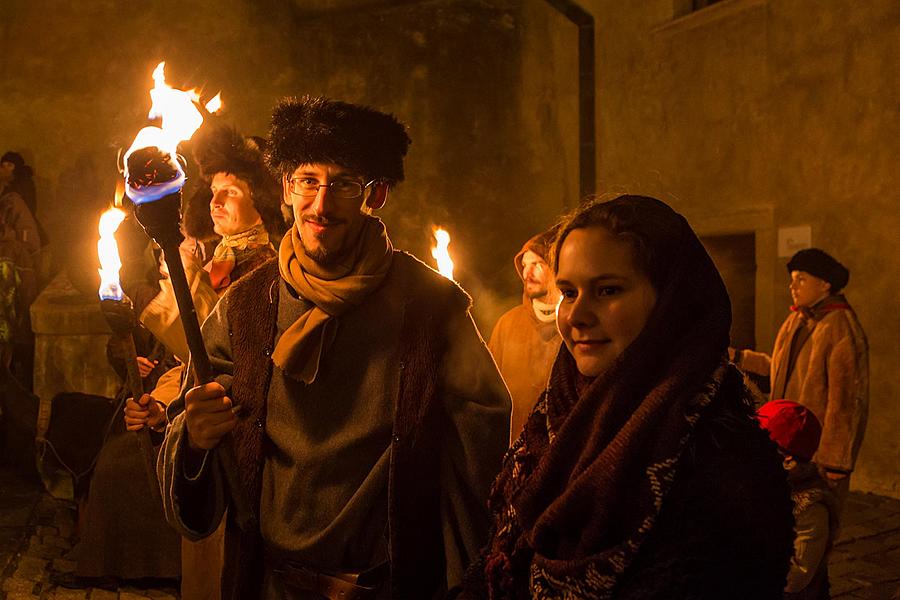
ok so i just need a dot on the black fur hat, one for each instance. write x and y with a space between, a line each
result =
822 265
317 130
221 149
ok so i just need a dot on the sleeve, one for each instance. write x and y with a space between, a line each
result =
161 314
759 363
193 490
495 344
24 224
168 386
847 409
809 547
478 406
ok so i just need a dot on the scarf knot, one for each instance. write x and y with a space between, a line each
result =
224 256
332 289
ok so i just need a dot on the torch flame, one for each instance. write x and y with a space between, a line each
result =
108 251
180 119
440 253
215 105
120 192
176 108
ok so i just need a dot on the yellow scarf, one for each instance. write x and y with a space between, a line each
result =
333 290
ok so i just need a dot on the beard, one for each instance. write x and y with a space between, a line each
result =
319 255
535 294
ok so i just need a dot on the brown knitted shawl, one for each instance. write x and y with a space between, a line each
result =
583 485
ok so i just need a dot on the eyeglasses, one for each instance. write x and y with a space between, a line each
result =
308 187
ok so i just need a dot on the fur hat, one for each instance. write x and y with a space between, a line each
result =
822 265
195 217
317 130
792 426
221 149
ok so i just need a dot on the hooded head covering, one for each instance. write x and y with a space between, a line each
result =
601 442
540 245
221 149
792 426
15 158
317 130
822 265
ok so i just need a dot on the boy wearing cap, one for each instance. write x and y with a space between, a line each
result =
821 360
373 419
796 431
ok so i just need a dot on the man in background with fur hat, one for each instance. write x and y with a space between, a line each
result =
821 360
525 339
372 419
243 210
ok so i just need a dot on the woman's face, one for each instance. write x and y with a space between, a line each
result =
605 300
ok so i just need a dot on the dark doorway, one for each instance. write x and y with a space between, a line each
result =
735 257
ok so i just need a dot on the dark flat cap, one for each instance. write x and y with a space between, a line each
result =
822 265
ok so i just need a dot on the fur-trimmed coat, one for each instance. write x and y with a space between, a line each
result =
830 376
450 426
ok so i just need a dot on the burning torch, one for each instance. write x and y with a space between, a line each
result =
155 178
119 313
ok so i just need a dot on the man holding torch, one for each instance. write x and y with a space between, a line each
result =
368 417
245 209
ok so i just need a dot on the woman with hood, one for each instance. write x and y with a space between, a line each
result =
641 472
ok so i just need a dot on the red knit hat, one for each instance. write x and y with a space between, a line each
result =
792 426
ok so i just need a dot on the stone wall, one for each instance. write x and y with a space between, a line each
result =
753 115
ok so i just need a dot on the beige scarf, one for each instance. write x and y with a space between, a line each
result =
333 290
224 259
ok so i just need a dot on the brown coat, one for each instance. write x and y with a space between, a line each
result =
524 350
830 377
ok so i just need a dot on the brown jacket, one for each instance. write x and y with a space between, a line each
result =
830 376
523 347
524 350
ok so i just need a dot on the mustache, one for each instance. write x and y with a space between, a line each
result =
321 220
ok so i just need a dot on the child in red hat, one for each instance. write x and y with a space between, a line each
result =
796 431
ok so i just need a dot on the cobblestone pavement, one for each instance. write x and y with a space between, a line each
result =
36 531
865 562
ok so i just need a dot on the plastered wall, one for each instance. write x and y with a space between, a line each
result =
754 115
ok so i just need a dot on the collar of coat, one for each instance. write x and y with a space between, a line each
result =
817 311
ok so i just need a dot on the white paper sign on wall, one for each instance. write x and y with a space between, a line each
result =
793 239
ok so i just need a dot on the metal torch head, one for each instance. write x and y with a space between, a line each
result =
119 314
154 180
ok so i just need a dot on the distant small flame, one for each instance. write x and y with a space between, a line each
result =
215 105
440 253
180 119
108 251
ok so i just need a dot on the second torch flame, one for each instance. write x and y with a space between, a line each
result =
108 251
180 118
441 254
